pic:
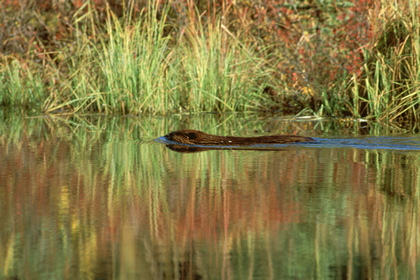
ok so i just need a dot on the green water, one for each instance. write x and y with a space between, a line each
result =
98 198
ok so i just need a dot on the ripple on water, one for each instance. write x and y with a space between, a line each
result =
379 143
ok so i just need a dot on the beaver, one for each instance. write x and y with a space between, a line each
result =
196 137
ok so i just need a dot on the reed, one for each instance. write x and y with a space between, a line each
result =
219 72
122 72
21 85
388 89
140 68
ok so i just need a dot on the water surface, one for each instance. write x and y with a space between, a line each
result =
93 198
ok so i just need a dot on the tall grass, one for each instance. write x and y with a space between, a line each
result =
141 68
122 72
21 85
389 87
220 73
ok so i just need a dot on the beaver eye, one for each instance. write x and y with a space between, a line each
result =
192 135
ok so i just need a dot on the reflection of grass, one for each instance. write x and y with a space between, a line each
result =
100 201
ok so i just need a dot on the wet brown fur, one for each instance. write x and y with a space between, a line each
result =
196 137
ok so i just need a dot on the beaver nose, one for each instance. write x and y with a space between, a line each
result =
169 135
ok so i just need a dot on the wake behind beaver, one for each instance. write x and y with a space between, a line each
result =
196 137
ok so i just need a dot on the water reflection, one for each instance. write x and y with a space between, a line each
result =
100 204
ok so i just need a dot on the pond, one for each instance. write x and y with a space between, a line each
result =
99 198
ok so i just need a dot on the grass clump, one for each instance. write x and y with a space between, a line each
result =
139 67
21 85
388 89
218 72
123 73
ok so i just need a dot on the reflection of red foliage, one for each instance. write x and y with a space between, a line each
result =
209 214
233 213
